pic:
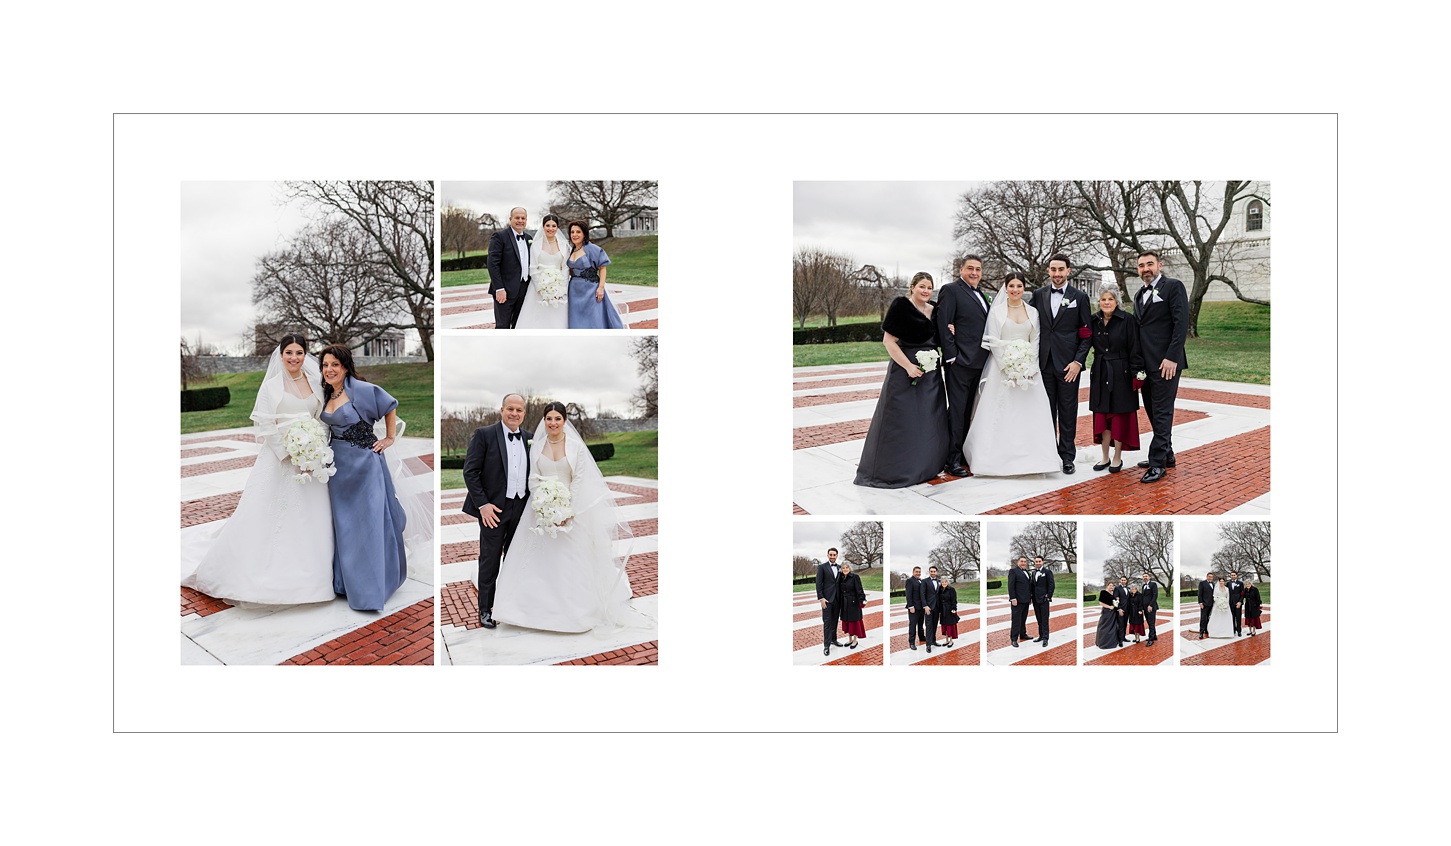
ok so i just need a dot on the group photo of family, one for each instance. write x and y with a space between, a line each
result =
837 594
1128 580
935 592
307 423
549 522
1028 347
549 255
1225 588
1031 580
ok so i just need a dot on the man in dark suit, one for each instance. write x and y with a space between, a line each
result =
1206 604
1236 600
930 598
915 609
1042 598
508 264
1162 307
961 318
1063 343
828 576
1149 591
496 472
1121 622
1020 597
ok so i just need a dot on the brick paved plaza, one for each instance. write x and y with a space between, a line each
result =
471 307
214 469
806 633
1162 652
1222 651
964 651
1063 635
1221 441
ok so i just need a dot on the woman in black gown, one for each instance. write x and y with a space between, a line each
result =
947 618
907 442
1252 607
853 600
1112 396
1107 635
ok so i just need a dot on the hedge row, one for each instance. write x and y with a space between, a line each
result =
601 452
465 263
839 334
994 584
804 580
205 399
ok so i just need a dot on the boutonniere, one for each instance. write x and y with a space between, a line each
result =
1154 295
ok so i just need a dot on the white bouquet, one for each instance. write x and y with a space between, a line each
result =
307 446
927 360
550 285
550 500
1015 358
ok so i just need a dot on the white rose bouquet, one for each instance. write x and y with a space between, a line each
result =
551 287
550 500
927 360
1015 358
307 446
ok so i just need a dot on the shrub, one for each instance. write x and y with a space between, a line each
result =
804 580
602 452
205 399
839 334
994 584
902 593
465 263
451 462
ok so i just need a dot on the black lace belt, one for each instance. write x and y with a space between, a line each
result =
360 434
590 273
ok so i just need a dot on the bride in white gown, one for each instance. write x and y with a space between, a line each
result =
277 547
1221 623
1011 433
574 581
547 256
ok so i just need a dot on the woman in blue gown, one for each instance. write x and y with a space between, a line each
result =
589 304
369 560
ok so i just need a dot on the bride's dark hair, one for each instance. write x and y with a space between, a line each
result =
292 338
1015 275
554 406
345 358
549 217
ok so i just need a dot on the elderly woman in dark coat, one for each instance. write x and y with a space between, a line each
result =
947 618
1134 619
853 599
1252 607
1111 394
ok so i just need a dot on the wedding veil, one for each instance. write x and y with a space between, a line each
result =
992 336
270 427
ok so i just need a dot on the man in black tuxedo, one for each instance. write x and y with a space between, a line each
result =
1121 622
1042 598
1162 308
1236 600
915 609
1020 597
508 264
1206 604
828 576
961 318
931 594
1149 591
496 471
1063 311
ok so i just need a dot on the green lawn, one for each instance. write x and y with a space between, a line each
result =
1233 345
819 321
968 593
410 384
635 455
871 580
633 261
1065 586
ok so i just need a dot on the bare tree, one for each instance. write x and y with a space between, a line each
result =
1018 225
820 284
862 545
194 362
874 287
1055 540
1141 546
457 230
959 555
397 220
612 204
802 566
646 350
1244 548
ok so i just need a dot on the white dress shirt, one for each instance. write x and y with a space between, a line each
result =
514 450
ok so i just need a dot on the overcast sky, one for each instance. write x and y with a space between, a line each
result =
1197 544
814 539
997 540
901 227
596 372
496 198
1096 549
910 544
225 227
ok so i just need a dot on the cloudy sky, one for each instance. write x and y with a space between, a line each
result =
901 227
814 539
497 198
1197 544
910 543
596 372
1096 548
225 227
997 541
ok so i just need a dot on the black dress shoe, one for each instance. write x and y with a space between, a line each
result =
837 643
487 620
1068 468
1036 639
912 646
929 649
956 470
1098 467
1015 644
1146 464
1045 643
826 650
1153 474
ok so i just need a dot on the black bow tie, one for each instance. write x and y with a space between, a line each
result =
1059 290
515 435
520 237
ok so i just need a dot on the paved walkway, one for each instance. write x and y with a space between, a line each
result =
471 307
214 469
1221 440
1221 651
964 650
1136 654
1063 635
806 633
466 642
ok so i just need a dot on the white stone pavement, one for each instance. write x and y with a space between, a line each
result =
822 475
812 656
1191 646
258 634
515 645
997 606
969 640
481 304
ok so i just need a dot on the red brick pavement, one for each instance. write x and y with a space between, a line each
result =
796 509
1189 628
641 305
1247 650
811 635
194 512
839 383
1224 397
1003 638
198 603
1181 416
652 323
453 553
832 433
803 378
464 309
644 572
479 326
461 599
246 439
640 654
204 468
1210 479
963 656
811 400
644 494
404 637
200 451
1067 654
815 611
420 463
1133 654
460 605
865 658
